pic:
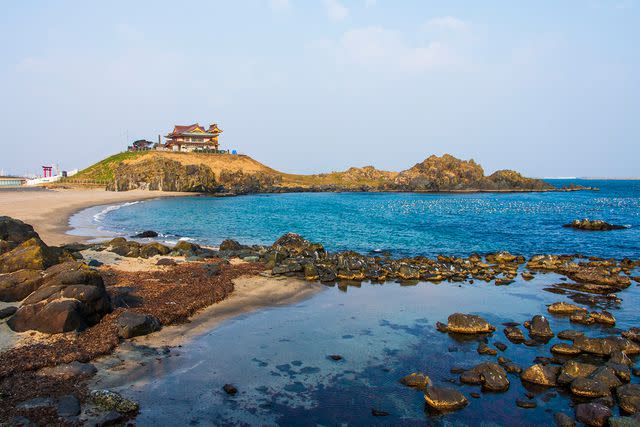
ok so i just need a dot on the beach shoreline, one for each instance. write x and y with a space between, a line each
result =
49 211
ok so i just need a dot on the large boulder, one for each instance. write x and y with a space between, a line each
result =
459 323
132 324
13 231
152 249
72 296
573 369
32 254
18 285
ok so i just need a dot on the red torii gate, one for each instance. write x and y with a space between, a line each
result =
47 171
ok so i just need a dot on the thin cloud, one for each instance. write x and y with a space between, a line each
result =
446 23
336 11
279 5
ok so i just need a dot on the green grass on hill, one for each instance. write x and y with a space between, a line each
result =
104 169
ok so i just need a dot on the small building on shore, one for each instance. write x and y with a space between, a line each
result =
193 138
12 181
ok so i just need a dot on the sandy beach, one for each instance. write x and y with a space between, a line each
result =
49 210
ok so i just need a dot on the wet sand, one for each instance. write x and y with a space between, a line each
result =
251 293
49 210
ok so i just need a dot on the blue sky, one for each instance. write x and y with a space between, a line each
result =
545 87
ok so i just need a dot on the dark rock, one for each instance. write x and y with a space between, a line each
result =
539 328
629 398
632 334
18 285
588 387
500 345
187 249
570 334
230 389
490 375
573 369
132 324
622 371
7 312
468 324
71 297
483 348
606 346
541 375
145 234
111 401
32 254
168 262
475 395
526 404
593 414
15 231
593 225
68 406
564 308
603 317
335 357
444 399
230 245
95 263
109 418
152 249
514 334
563 420
624 422
565 349
416 380
378 413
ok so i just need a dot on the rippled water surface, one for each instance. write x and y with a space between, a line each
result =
278 357
405 224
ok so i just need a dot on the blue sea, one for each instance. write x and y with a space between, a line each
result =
405 224
277 357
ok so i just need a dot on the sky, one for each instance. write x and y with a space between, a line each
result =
545 87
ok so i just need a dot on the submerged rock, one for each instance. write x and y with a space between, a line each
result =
230 389
145 234
416 380
444 398
514 334
112 401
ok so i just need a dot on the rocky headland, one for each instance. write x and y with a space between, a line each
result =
238 174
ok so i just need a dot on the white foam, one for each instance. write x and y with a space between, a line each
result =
100 215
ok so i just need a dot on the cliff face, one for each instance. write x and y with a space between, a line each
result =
225 174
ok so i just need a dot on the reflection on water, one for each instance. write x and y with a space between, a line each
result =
278 359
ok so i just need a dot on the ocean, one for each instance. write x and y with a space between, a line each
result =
404 224
277 357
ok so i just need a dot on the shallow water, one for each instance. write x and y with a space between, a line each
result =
278 359
402 223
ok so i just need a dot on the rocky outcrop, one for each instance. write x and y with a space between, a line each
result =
459 323
593 225
13 232
434 174
72 296
165 175
18 285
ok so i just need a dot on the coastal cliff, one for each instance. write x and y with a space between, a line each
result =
239 174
